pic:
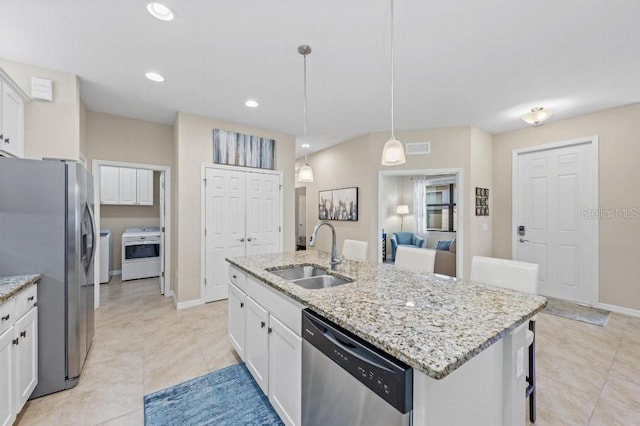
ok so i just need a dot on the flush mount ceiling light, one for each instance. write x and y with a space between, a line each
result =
154 76
305 175
393 151
160 11
536 116
251 103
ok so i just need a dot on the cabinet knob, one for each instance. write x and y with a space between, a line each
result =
262 324
6 140
15 341
242 304
235 276
6 317
269 330
29 299
23 333
241 240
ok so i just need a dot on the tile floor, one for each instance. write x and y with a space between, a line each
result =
587 375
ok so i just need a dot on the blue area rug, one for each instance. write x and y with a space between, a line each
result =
225 397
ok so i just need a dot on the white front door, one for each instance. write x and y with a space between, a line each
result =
555 197
225 194
263 213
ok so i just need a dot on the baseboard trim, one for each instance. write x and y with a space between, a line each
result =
619 310
187 304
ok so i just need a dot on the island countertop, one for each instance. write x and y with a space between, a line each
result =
10 286
432 323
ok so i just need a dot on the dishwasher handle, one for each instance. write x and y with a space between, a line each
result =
388 377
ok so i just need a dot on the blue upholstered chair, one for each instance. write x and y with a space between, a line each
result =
405 238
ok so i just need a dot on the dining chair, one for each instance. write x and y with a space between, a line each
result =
514 275
416 259
355 250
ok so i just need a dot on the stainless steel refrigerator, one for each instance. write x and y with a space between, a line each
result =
47 227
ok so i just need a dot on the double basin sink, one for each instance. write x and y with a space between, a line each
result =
309 276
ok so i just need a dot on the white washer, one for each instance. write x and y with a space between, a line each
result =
141 253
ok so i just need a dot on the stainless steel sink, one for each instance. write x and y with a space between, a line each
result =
296 272
309 277
322 281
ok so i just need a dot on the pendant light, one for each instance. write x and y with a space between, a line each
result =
305 175
393 152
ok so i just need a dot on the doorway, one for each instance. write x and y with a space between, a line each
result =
301 218
555 210
162 177
394 192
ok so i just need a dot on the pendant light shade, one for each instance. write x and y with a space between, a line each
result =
393 151
305 174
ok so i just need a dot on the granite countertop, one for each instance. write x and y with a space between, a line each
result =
432 323
9 286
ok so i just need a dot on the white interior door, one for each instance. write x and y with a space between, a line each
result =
555 191
263 213
225 195
162 230
302 220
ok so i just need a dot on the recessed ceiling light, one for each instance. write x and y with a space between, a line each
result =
154 76
251 103
160 11
306 145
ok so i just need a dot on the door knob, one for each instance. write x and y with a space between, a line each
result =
522 240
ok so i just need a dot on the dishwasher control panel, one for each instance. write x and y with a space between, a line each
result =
388 377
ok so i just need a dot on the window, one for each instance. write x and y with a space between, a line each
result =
441 207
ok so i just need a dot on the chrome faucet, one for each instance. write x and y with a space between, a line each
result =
334 251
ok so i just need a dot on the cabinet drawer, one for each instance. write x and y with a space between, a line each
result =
288 311
26 300
238 278
7 314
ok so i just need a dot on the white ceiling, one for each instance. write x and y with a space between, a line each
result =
464 62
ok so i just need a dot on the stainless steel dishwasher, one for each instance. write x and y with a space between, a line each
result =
346 381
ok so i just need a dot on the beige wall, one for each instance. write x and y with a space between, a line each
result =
113 138
481 237
336 167
194 144
52 129
118 218
619 139
83 131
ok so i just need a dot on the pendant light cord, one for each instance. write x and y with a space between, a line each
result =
392 71
305 105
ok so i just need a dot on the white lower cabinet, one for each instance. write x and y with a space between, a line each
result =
18 353
25 361
285 371
236 324
264 328
7 414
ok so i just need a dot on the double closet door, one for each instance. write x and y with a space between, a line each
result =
243 216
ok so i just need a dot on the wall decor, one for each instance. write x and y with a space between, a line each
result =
482 201
237 149
338 204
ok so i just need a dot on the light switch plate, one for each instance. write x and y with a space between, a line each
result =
519 362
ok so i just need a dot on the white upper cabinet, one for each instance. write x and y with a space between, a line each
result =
11 117
144 187
125 185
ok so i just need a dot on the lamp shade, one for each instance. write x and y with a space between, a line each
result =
402 209
537 116
305 175
393 153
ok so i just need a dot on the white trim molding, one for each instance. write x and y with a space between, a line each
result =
619 309
185 305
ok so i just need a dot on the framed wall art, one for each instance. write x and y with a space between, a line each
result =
338 204
482 201
237 149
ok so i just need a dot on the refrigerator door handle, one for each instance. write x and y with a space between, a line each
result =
93 234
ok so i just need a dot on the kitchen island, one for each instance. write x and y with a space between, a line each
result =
465 341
